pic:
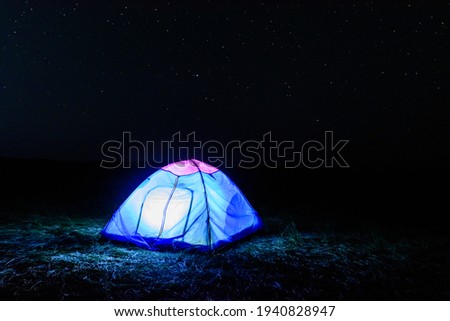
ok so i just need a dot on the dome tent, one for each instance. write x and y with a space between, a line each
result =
187 204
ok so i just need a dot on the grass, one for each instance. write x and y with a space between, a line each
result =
50 256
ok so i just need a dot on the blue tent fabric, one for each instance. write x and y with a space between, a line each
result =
188 204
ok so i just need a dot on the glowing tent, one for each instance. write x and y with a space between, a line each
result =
187 204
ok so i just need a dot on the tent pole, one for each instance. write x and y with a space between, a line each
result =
208 222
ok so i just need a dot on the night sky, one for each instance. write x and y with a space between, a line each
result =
76 74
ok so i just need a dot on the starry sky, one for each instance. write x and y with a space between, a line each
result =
76 74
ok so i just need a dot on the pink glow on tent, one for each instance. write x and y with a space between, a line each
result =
188 167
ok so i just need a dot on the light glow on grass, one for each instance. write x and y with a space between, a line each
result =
54 257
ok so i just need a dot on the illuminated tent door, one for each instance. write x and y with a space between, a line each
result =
164 213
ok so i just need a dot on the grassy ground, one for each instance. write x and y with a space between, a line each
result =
60 257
